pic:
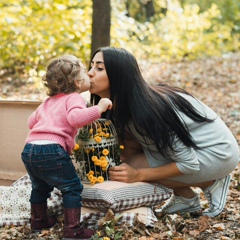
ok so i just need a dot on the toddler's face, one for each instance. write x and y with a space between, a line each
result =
84 81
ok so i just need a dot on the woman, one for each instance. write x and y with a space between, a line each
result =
170 137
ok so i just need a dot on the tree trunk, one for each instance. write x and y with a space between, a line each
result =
101 23
150 11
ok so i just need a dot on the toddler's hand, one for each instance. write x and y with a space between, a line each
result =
104 104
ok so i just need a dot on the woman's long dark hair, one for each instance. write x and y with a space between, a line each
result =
152 111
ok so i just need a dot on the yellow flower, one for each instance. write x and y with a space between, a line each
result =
91 172
100 179
90 131
99 130
106 238
97 162
94 158
76 147
93 149
102 134
121 147
104 164
107 123
107 135
87 150
98 139
90 177
92 182
105 152
102 158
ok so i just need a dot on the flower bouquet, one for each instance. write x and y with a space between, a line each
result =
96 150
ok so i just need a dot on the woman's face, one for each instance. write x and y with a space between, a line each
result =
98 77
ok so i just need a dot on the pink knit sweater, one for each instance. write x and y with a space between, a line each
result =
58 119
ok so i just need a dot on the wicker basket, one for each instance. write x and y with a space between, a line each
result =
99 150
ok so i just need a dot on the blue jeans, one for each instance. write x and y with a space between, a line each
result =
50 166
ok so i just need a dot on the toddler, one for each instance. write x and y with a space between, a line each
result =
46 155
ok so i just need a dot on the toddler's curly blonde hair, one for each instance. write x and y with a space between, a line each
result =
61 75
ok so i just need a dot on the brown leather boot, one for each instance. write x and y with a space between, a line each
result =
72 229
39 219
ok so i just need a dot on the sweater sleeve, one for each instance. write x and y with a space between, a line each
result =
185 157
79 115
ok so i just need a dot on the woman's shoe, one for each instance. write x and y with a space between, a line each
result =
177 204
217 196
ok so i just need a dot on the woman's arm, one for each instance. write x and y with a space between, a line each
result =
127 173
135 166
131 147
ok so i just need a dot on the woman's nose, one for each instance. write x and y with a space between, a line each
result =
90 73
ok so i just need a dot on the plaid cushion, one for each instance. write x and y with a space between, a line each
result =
120 196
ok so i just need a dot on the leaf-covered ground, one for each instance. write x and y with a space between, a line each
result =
215 81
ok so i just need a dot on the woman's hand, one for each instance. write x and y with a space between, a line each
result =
143 173
124 173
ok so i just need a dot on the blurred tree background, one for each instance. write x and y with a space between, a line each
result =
34 31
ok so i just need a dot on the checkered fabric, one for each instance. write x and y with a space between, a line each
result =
15 205
123 195
145 215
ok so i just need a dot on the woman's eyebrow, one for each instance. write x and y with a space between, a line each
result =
97 62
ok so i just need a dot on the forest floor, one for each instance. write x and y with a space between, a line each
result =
216 82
